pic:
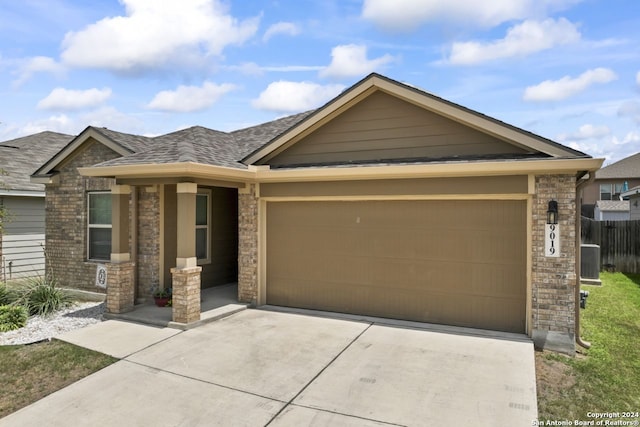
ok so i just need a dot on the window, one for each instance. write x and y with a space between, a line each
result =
202 226
610 191
99 226
617 191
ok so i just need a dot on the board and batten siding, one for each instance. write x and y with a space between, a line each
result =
383 127
23 238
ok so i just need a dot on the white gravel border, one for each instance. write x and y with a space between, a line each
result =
41 328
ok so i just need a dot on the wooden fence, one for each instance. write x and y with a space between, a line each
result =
619 243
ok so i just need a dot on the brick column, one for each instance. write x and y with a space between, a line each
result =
248 244
186 294
554 279
120 287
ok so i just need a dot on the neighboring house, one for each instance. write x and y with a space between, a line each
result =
610 182
633 196
611 210
21 243
387 201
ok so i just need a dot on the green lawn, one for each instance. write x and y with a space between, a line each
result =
605 378
30 372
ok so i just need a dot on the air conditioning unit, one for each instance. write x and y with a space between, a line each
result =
590 264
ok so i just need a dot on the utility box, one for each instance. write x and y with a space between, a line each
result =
590 264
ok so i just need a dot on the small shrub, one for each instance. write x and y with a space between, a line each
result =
42 297
4 294
8 294
12 317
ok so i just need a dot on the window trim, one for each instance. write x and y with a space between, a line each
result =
95 226
610 192
208 193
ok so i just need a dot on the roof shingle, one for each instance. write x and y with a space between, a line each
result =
20 157
201 145
629 167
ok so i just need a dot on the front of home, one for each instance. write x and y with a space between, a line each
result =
387 201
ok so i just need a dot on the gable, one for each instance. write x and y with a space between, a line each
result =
89 136
385 128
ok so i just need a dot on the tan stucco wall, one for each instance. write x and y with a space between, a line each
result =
591 193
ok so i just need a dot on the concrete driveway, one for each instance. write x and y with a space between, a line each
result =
260 367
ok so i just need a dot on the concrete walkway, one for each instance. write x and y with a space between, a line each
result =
258 368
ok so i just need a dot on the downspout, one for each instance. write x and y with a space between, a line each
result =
579 186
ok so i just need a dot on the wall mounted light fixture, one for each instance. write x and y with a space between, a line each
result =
552 212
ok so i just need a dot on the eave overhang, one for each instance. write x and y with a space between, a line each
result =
263 174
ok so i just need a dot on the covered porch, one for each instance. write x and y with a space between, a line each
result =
194 225
216 302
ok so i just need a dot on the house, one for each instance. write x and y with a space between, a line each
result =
22 239
633 196
610 182
387 201
611 210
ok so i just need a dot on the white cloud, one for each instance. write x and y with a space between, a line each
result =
521 40
630 109
111 118
556 90
286 28
186 99
155 34
68 99
38 64
247 68
407 15
587 131
290 97
629 138
293 68
60 123
351 61
253 69
611 148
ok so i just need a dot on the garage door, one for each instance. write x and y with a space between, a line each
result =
451 262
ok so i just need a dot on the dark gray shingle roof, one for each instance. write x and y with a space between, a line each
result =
20 157
202 145
133 143
629 167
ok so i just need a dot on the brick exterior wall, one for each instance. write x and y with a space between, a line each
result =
121 287
248 245
554 279
148 255
186 294
66 218
66 224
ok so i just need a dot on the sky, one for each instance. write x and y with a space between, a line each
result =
568 70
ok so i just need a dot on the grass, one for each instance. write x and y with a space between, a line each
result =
30 372
606 377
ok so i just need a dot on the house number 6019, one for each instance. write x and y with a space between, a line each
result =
552 240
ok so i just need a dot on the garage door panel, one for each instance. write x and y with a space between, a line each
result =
454 262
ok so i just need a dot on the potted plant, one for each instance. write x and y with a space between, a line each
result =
162 297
